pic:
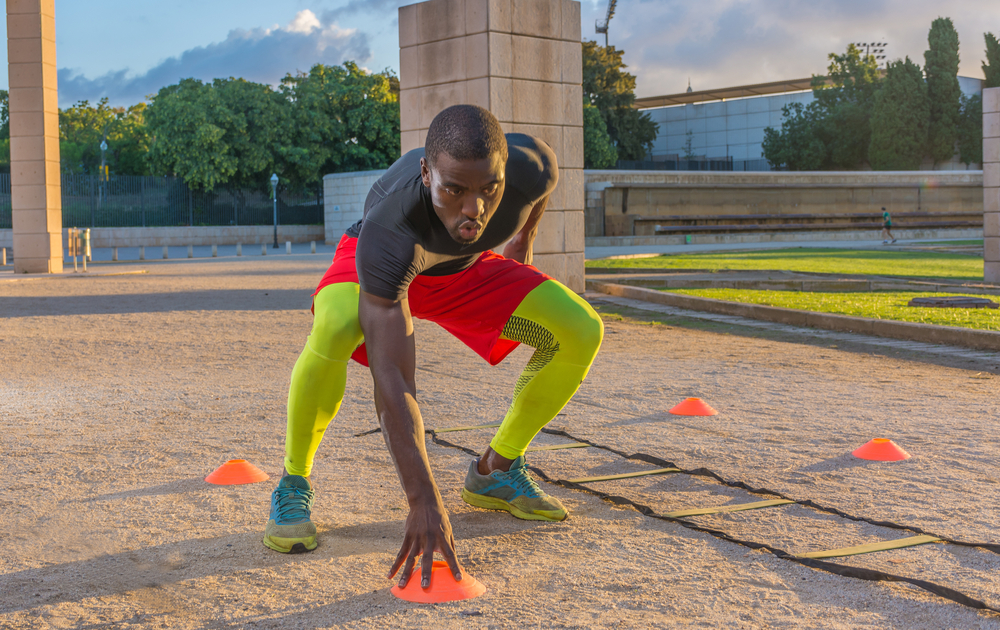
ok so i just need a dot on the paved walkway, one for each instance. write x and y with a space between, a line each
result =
642 250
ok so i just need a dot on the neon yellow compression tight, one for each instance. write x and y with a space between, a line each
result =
564 330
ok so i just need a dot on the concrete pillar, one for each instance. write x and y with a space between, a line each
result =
991 185
522 60
34 136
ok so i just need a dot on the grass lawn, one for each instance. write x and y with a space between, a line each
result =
964 243
888 305
843 261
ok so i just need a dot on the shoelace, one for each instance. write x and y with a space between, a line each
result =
293 503
524 483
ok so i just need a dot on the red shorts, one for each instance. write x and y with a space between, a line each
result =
473 305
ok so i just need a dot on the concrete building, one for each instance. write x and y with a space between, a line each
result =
730 122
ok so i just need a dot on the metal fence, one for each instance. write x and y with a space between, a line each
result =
697 164
136 201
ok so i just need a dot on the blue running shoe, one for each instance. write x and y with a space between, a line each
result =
289 529
513 491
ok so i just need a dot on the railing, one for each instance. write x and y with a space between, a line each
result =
697 164
137 201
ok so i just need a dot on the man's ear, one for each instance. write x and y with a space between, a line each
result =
425 172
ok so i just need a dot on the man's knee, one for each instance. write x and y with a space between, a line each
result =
586 329
579 331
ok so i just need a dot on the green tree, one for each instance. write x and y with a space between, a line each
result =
83 126
844 102
4 132
796 146
611 90
899 119
343 119
598 150
4 115
943 92
230 131
991 67
970 130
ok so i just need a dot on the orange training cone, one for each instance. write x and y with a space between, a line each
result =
693 407
881 450
443 586
235 472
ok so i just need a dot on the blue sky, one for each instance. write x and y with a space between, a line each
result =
126 49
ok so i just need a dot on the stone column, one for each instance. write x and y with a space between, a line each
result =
991 185
522 60
34 136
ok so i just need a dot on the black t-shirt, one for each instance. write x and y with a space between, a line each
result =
401 236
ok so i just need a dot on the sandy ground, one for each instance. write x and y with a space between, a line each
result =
119 394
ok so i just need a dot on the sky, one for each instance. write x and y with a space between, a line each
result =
126 50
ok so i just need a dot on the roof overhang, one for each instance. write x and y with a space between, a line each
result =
702 96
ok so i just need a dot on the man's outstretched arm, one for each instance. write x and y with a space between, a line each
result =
388 332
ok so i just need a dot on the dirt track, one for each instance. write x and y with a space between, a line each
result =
119 394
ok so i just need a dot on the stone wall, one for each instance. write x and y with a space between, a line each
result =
344 200
627 203
198 235
991 184
522 60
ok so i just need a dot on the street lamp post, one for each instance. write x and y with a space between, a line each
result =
274 193
100 190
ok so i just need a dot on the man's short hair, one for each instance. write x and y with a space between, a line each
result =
465 132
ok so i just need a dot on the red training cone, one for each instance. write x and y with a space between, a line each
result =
443 586
235 472
881 450
693 407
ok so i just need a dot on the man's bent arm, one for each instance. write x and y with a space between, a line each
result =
519 246
388 332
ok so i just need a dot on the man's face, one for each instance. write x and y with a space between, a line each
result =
465 193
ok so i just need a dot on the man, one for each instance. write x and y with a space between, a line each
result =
423 249
886 228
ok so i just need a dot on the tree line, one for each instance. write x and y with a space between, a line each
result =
233 132
332 119
889 120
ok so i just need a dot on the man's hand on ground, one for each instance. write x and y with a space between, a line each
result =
427 530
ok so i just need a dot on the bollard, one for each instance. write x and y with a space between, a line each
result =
3 256
215 250
288 247
312 247
73 247
190 251
165 256
86 246
239 249
114 254
263 249
142 252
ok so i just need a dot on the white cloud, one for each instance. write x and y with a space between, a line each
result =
305 22
262 55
